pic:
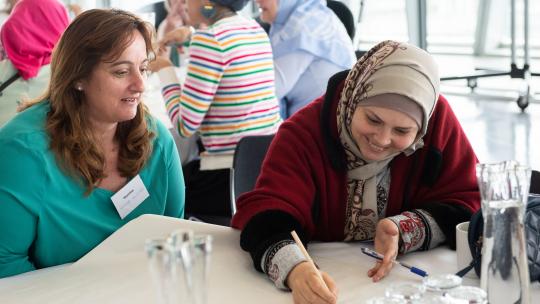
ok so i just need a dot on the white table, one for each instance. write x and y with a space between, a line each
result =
116 270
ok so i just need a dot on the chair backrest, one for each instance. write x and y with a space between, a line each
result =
535 182
248 157
344 14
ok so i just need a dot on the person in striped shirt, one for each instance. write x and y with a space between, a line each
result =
228 93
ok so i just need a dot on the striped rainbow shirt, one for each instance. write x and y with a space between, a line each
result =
229 88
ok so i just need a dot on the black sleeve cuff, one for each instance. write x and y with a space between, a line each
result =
447 217
266 229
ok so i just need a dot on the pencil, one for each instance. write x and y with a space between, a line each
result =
305 253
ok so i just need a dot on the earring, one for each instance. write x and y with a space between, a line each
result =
208 11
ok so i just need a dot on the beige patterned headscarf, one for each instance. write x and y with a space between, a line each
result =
389 67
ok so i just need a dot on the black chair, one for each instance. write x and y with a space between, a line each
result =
248 157
535 182
344 14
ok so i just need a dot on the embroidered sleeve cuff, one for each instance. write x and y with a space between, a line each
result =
436 235
279 260
167 76
412 231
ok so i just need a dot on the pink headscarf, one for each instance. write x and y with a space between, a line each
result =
31 32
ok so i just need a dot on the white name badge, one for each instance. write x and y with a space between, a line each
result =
130 196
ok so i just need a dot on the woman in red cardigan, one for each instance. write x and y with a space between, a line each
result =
381 156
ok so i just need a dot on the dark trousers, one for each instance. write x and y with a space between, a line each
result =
207 192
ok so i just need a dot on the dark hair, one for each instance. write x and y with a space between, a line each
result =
94 36
235 5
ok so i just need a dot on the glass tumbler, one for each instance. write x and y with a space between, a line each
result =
162 269
405 291
467 295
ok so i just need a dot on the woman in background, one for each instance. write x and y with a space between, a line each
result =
228 94
380 157
28 38
310 44
177 16
66 156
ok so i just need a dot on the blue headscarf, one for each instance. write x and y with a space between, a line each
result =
310 26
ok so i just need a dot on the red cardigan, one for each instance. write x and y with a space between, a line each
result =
303 175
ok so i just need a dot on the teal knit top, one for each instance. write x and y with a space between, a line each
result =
45 218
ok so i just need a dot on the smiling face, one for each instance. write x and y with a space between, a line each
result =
380 132
269 9
113 89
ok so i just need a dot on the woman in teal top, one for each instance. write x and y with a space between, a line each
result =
64 157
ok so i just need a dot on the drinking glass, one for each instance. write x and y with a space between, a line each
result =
405 291
162 269
385 300
201 250
467 295
193 255
180 240
440 283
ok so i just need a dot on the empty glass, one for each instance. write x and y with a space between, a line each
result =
193 253
162 268
441 283
385 300
467 295
201 249
405 291
180 240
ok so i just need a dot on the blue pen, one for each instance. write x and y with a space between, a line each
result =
378 256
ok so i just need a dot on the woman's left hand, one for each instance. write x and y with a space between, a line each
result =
159 63
387 244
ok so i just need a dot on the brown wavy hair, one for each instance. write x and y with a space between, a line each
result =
95 35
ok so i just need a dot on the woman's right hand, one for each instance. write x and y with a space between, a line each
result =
307 286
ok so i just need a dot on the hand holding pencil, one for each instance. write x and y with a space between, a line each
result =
308 284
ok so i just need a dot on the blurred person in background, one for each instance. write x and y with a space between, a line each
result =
310 44
177 17
28 37
228 93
